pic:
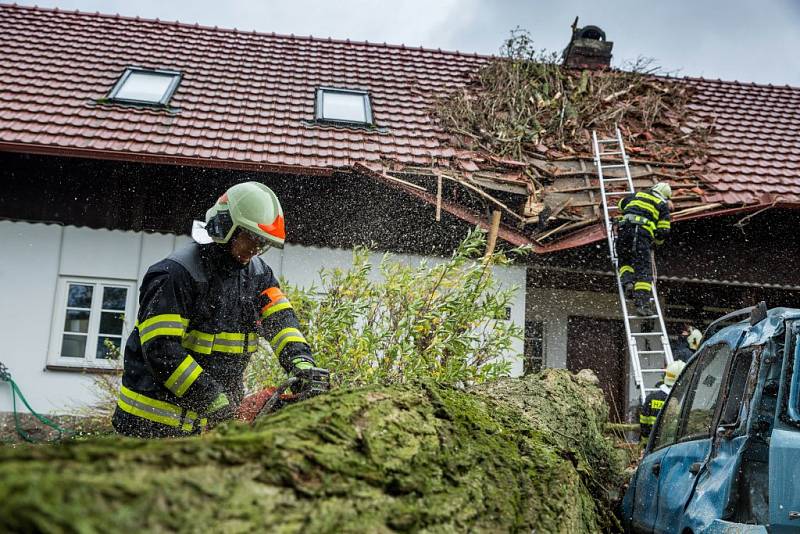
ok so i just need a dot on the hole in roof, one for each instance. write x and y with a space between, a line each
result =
343 105
145 86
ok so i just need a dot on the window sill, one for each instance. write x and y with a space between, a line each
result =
84 369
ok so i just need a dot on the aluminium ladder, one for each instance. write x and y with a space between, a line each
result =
635 336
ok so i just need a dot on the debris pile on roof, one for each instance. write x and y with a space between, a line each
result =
524 115
525 105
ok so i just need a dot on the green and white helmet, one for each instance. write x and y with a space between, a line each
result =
251 206
663 189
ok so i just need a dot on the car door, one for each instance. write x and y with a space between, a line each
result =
681 465
784 448
665 433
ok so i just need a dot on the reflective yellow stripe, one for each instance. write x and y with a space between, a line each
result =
161 405
147 408
625 269
663 225
276 308
287 340
252 342
184 376
285 336
656 404
169 421
647 420
167 324
230 342
197 341
190 420
644 206
158 411
189 381
168 317
232 336
642 286
648 196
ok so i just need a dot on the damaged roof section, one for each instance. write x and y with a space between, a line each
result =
459 131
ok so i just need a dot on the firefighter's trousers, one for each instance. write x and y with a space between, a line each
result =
633 246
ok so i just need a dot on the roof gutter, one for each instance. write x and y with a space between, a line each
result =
138 157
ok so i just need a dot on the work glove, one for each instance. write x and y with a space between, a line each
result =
311 381
219 410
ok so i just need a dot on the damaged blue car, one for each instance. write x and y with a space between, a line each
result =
724 455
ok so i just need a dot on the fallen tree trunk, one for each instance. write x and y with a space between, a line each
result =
517 454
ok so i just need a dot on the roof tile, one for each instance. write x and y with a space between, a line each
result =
249 98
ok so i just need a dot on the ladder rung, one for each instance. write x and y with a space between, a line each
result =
643 317
615 153
643 334
649 352
615 179
650 389
613 166
606 141
618 193
652 370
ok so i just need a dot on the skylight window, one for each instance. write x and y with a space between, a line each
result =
343 105
145 86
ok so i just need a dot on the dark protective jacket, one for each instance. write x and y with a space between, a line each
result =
200 315
649 211
648 412
681 351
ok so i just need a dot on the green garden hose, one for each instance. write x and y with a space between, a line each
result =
5 376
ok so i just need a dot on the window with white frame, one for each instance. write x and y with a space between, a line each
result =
92 319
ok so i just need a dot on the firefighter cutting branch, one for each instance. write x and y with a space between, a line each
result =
644 221
201 311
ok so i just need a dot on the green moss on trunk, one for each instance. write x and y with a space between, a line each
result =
403 458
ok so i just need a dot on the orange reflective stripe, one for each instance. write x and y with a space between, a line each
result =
275 295
275 229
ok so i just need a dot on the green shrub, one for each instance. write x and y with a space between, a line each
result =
441 321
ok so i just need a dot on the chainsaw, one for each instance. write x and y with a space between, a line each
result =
314 380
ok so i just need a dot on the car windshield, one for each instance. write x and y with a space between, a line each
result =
794 394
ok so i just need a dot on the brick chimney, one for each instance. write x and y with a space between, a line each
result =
588 48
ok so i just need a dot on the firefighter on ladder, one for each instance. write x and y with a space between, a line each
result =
644 220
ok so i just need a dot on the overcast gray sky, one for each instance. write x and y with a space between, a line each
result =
746 40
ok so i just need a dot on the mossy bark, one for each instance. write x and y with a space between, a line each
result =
419 458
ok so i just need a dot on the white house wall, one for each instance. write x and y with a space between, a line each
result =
36 255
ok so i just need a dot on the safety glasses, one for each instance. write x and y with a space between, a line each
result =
261 243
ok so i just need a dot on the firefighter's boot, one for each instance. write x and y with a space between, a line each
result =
643 303
627 289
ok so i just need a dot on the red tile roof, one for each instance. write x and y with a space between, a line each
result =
246 101
754 151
